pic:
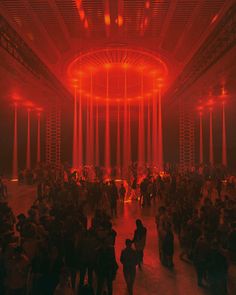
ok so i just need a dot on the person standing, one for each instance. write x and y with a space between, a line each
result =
106 268
162 221
129 260
122 192
134 186
3 190
200 259
168 246
139 240
144 192
113 192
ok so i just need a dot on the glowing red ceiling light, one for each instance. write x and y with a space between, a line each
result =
147 4
16 97
118 61
210 102
29 104
214 19
223 92
120 21
86 24
146 21
39 109
81 14
107 19
107 65
80 10
125 65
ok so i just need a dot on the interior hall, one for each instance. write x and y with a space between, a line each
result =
117 147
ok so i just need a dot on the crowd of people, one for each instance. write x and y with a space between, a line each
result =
56 249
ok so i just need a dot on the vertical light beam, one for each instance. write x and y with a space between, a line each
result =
118 164
87 149
160 135
129 136
39 137
148 134
91 121
28 150
211 153
107 128
80 133
125 133
75 132
224 144
141 143
154 127
15 146
200 139
97 162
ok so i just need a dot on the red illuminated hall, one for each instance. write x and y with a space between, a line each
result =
117 147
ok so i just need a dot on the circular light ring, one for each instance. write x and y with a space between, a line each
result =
127 58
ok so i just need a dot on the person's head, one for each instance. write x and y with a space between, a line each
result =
21 217
139 223
128 243
18 251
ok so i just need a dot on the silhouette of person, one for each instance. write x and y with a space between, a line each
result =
139 240
129 260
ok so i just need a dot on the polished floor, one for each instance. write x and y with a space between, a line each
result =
154 279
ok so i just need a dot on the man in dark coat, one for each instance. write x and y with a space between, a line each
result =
106 268
139 240
129 260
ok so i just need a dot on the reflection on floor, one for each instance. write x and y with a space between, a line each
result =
154 278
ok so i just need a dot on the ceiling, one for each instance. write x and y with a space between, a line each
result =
60 30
